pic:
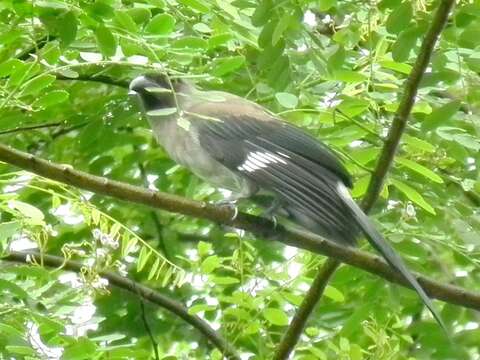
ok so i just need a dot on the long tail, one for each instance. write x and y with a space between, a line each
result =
392 258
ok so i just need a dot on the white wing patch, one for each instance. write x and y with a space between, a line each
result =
343 192
257 160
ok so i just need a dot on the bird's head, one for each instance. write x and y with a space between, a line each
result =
155 91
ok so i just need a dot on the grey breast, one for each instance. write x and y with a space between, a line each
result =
184 148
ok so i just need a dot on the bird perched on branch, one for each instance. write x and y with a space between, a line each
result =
235 144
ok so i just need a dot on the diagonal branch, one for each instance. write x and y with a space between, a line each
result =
407 101
295 329
135 288
265 229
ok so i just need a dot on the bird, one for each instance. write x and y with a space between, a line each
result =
236 144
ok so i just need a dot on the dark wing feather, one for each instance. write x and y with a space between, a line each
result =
305 179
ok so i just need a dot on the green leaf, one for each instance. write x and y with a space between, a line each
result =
27 210
396 66
100 9
413 195
227 65
162 112
275 316
68 28
348 76
262 13
52 98
312 331
293 298
218 40
7 67
139 14
109 337
161 24
125 21
469 38
191 42
418 144
441 115
422 170
337 59
202 28
167 276
404 44
198 5
282 25
422 107
8 229
225 280
158 3
20 350
13 289
143 258
195 309
38 84
106 41
460 136
334 294
360 187
21 72
9 331
153 269
128 244
210 264
324 5
353 106
400 18
287 100
204 248
81 349
468 141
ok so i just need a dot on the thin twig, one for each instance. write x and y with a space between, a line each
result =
154 216
30 127
295 329
264 228
93 78
148 330
135 288
39 44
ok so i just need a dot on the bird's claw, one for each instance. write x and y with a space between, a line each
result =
273 219
231 204
269 213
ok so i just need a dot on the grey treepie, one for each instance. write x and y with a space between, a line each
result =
236 144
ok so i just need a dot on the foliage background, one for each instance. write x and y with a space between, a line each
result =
335 68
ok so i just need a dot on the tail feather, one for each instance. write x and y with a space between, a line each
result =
388 253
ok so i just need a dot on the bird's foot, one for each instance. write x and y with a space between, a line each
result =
270 216
270 212
230 204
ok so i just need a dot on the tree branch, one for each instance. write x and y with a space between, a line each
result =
295 329
406 104
135 288
264 228
95 78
